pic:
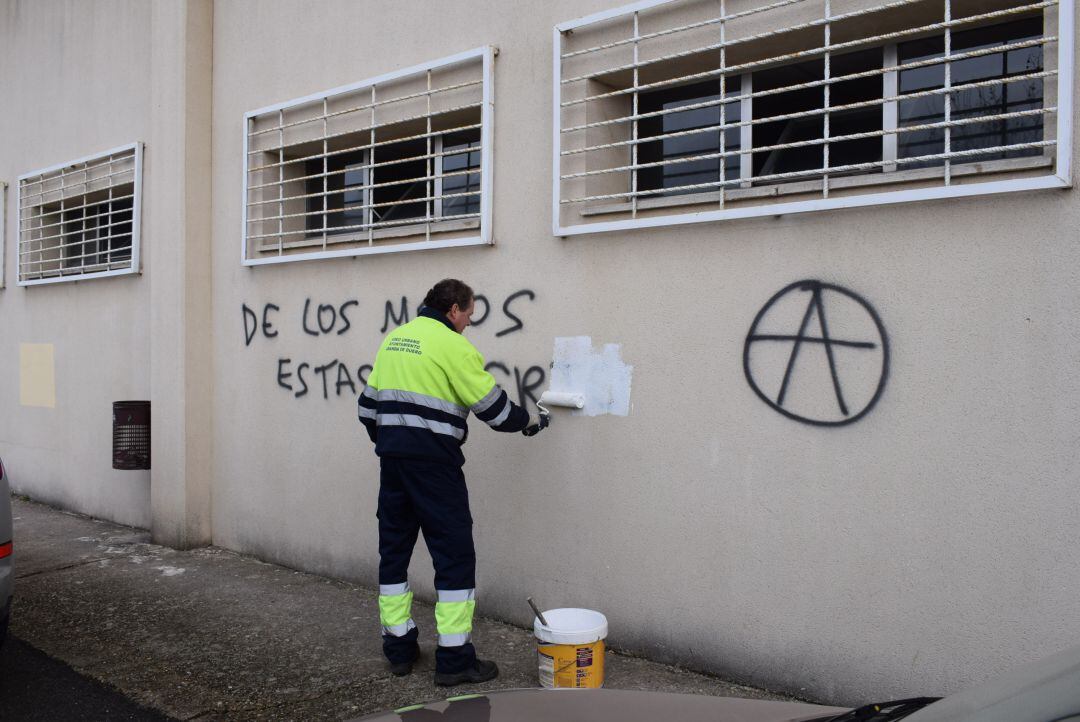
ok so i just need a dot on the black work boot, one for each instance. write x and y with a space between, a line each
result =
481 671
403 669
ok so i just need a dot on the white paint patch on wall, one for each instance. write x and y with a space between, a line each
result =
601 376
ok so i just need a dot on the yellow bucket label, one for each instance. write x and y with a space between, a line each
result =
571 665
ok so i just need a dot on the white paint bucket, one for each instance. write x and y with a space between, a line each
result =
570 648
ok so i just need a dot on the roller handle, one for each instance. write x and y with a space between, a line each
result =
537 612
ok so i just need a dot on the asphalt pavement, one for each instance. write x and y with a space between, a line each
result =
37 688
209 634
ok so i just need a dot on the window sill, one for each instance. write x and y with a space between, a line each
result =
379 234
1008 165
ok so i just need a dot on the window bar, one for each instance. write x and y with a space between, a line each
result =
947 94
369 180
109 218
817 171
387 204
634 127
723 104
811 52
846 106
42 226
1045 40
827 88
429 207
766 35
62 199
890 108
818 141
438 175
358 108
366 146
326 170
281 181
746 129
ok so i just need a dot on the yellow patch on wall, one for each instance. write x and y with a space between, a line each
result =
37 375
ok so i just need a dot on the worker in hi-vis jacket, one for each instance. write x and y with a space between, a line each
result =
426 379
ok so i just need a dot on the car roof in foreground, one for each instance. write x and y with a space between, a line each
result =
571 705
1044 691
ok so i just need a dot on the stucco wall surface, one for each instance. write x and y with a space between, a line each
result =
926 546
75 80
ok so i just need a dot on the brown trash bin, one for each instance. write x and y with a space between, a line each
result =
131 435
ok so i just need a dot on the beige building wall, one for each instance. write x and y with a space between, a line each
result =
923 547
75 80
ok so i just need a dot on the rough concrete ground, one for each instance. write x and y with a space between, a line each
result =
210 634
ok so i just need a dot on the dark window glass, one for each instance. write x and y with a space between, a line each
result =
97 234
398 165
399 177
811 127
341 217
973 102
461 157
704 143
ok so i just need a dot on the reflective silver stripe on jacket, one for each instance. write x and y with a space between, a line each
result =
431 402
369 392
419 422
393 590
454 640
364 412
489 398
400 630
503 415
456 595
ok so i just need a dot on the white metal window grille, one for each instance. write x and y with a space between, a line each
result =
80 220
393 163
683 111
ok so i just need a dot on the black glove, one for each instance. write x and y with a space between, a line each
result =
537 423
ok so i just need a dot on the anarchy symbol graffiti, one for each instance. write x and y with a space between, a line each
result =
830 368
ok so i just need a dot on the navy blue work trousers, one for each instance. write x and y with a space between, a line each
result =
426 496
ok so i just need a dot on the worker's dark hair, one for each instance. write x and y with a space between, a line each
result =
444 294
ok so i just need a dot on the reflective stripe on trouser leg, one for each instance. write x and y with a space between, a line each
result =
395 609
453 616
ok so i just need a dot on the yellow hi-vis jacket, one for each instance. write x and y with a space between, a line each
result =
425 381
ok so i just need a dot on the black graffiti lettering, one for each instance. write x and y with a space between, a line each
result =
362 373
487 309
518 325
323 308
397 318
267 324
249 331
343 369
525 388
321 370
496 365
300 378
282 374
303 322
341 312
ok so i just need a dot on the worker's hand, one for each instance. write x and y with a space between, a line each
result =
537 423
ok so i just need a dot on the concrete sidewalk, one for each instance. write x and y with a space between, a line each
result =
210 634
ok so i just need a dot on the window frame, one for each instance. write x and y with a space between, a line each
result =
486 54
3 234
1061 177
134 263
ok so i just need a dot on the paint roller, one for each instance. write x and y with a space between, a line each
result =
560 398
